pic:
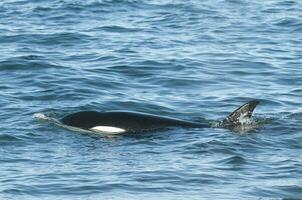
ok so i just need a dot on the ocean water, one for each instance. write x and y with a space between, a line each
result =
194 60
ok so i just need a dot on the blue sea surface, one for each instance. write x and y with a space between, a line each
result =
193 60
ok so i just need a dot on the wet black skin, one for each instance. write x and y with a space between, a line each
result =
130 121
139 122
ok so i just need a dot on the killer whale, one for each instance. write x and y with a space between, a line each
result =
116 122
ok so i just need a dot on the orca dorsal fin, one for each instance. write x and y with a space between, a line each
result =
241 114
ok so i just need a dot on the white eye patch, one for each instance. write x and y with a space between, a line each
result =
107 129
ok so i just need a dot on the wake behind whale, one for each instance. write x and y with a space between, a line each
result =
117 122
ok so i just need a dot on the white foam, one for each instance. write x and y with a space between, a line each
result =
41 116
243 120
108 129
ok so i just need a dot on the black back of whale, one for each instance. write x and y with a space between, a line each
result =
129 121
139 122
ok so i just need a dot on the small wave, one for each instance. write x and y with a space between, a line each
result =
25 63
297 115
233 160
120 29
288 22
8 138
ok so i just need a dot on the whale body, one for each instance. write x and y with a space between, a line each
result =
132 122
125 121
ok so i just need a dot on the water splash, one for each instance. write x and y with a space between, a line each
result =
42 117
244 120
245 124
